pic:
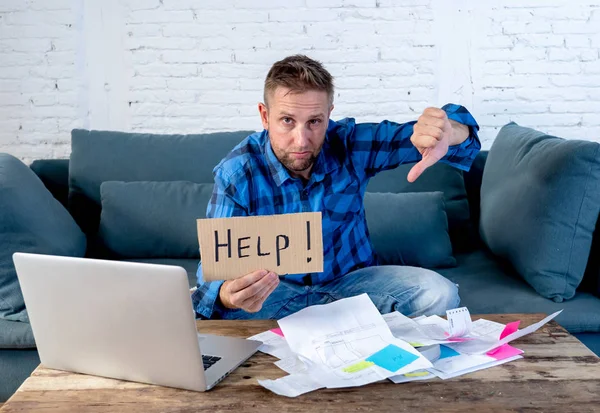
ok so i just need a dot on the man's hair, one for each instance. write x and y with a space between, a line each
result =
299 73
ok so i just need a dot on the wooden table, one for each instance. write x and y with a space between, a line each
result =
558 373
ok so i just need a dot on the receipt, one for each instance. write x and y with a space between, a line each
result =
459 320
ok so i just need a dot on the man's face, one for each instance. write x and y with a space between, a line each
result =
297 123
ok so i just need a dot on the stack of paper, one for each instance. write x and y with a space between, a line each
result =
465 346
342 344
348 343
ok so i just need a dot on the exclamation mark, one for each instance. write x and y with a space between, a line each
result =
308 259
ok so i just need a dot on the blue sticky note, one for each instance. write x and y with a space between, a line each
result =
446 352
392 358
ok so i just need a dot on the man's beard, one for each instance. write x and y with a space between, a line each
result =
296 165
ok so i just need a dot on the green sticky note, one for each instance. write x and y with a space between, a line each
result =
361 365
417 374
416 344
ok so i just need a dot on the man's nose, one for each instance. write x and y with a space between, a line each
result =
302 137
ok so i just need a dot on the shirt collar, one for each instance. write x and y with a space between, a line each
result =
326 162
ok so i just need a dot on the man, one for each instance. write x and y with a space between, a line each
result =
303 162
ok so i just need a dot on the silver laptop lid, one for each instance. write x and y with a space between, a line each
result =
122 320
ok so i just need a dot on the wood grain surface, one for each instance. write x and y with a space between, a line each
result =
558 373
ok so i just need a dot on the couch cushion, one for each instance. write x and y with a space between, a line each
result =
15 334
31 220
486 286
540 199
16 366
152 219
189 264
98 156
54 173
409 229
440 177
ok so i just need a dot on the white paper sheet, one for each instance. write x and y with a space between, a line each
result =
488 329
446 376
417 335
332 338
273 344
484 345
292 365
291 386
434 327
461 362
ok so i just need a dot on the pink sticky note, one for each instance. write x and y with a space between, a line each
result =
510 328
278 332
504 351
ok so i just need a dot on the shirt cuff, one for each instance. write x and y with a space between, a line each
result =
206 295
461 156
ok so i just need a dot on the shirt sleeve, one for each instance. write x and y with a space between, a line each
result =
222 204
376 147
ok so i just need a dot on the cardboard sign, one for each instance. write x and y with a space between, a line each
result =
284 244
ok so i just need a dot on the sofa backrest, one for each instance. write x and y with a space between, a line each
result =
99 156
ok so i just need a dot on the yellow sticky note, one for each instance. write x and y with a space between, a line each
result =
361 365
415 344
417 374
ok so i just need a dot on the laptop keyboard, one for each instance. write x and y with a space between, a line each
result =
209 360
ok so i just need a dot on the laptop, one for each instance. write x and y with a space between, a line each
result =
123 320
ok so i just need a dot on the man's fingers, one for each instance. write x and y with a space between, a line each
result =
251 291
257 304
422 142
435 112
419 168
248 279
432 121
428 130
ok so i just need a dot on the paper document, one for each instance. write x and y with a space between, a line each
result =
273 344
292 365
348 343
446 376
291 386
487 329
416 334
483 346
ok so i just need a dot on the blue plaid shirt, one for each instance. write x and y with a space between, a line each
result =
252 181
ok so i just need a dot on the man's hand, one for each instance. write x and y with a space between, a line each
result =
431 136
248 292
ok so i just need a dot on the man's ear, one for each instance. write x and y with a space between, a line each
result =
264 115
330 110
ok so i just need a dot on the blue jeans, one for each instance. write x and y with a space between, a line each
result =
410 290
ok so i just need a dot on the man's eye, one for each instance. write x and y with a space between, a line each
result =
315 121
287 120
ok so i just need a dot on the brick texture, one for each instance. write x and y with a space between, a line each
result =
182 66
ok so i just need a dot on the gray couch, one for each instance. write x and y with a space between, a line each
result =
493 278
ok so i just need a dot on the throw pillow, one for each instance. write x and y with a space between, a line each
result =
152 219
31 221
540 199
409 229
440 177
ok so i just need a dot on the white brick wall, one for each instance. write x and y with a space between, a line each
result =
198 65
